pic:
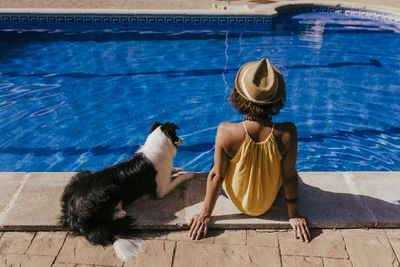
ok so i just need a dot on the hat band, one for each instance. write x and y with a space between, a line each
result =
244 89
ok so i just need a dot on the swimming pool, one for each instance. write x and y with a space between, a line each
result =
80 98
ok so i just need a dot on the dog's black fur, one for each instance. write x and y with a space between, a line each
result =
90 199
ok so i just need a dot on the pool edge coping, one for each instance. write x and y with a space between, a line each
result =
260 9
46 187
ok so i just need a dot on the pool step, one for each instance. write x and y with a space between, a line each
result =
31 201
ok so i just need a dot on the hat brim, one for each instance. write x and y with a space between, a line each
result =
280 90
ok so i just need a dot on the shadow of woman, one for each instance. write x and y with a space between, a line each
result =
322 207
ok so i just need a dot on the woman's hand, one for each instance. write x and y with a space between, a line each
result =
198 224
300 228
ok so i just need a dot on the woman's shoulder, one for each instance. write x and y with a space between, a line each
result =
226 127
286 132
230 136
229 131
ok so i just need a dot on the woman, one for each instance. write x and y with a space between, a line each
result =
255 157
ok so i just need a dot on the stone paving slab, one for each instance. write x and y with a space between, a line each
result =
184 235
166 213
396 247
154 253
380 193
15 243
222 248
234 237
47 243
328 200
393 233
328 262
10 182
262 238
394 239
326 243
37 206
294 261
25 260
197 254
369 248
79 250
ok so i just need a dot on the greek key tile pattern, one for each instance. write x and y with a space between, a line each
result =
179 20
354 13
189 20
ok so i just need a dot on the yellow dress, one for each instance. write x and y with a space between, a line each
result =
253 176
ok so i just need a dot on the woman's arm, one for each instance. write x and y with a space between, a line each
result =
291 184
199 222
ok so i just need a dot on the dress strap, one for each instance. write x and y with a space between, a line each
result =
269 136
244 125
271 133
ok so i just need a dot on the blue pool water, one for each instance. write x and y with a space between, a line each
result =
75 99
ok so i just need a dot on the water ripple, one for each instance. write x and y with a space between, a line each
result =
87 100
47 110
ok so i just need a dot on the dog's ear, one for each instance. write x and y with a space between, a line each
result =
154 126
171 126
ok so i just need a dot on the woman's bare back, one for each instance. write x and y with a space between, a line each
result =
233 135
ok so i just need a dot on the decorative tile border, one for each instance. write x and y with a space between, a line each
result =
143 20
348 12
186 20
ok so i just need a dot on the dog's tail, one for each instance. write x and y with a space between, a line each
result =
127 248
126 241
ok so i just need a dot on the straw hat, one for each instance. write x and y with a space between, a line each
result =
259 82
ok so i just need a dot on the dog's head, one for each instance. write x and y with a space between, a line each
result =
169 130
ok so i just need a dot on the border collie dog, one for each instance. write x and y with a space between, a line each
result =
92 202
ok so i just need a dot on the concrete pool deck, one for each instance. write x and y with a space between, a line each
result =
31 202
29 205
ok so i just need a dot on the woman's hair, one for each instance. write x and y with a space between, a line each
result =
246 107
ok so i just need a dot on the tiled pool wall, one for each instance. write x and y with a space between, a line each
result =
149 20
348 12
182 20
